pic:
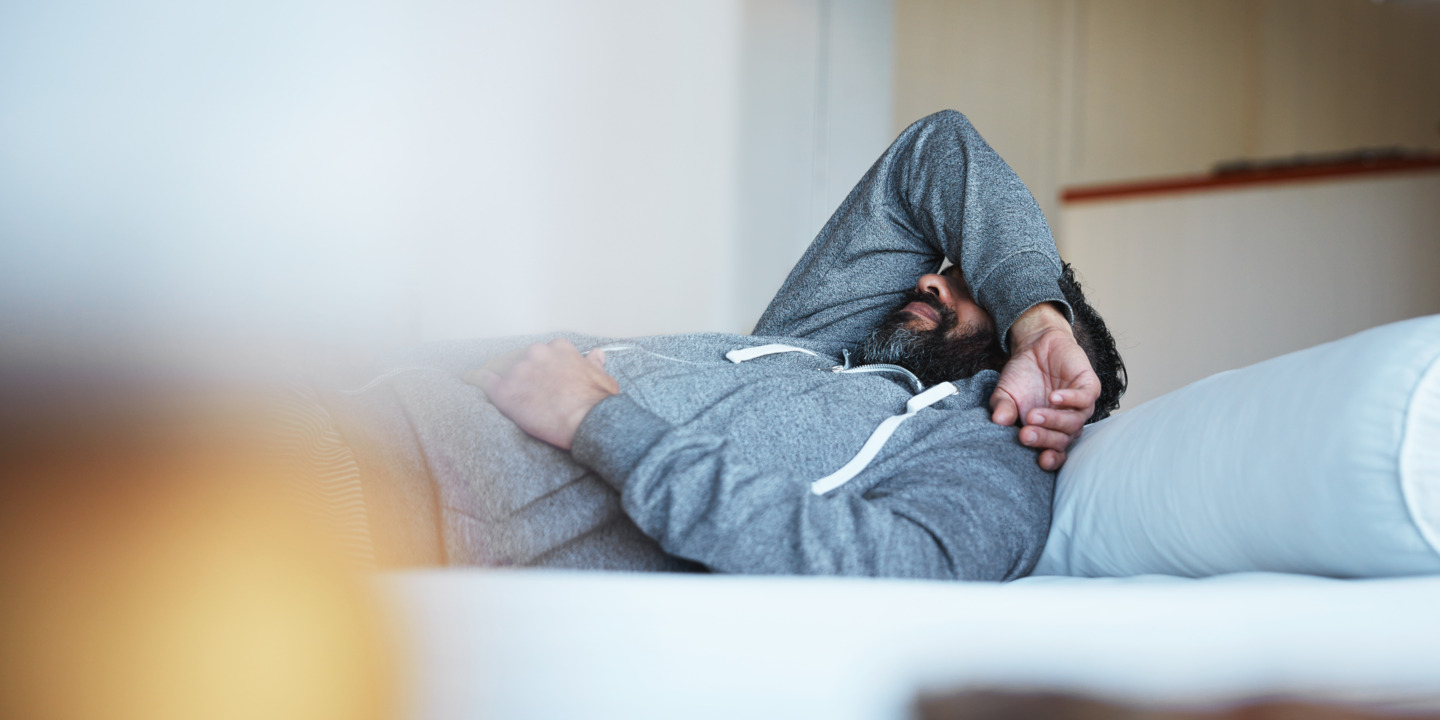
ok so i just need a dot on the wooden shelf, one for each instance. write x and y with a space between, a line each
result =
1257 176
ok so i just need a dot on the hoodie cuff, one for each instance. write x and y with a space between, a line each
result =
615 436
1023 281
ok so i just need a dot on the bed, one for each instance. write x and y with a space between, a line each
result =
1270 531
517 644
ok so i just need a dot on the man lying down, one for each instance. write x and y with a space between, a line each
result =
882 420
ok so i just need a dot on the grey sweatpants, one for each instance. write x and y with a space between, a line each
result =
508 500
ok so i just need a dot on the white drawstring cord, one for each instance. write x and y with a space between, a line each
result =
880 436
750 353
382 377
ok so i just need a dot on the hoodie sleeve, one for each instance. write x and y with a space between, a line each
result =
690 492
938 192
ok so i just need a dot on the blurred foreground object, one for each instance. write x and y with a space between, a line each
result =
982 705
152 567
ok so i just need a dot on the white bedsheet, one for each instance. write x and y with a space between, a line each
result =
532 644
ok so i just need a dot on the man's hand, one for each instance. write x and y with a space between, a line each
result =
546 389
1048 381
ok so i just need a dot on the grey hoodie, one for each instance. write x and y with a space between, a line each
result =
784 460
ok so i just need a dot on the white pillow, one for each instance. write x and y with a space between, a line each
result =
1324 461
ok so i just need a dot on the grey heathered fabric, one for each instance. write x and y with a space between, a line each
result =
702 463
939 184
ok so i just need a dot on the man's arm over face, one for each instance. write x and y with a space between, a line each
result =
939 191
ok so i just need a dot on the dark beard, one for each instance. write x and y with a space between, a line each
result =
933 355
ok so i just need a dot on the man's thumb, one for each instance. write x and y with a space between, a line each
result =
596 356
1003 408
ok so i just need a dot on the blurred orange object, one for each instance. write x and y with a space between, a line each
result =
151 569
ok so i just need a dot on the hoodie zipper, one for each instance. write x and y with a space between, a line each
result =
878 368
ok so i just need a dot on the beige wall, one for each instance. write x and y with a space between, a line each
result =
1085 91
1160 87
997 61
1336 74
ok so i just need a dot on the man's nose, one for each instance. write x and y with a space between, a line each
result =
936 285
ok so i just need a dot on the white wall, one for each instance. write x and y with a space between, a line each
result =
201 165
578 166
815 113
398 171
1199 282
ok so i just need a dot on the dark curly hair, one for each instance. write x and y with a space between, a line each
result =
1095 339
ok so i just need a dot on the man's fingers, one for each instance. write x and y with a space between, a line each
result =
482 377
606 380
1003 409
490 373
1077 398
564 346
1039 437
1068 422
501 363
1051 460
